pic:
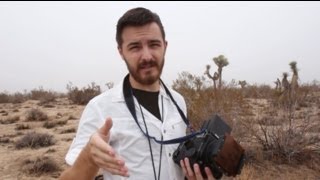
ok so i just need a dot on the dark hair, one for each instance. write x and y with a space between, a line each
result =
137 17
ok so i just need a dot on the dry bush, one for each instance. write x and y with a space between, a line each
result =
15 98
204 101
39 166
273 124
18 98
43 96
49 124
36 115
52 124
281 134
62 122
51 151
84 95
258 91
4 140
35 140
66 131
72 117
48 106
10 120
4 98
22 126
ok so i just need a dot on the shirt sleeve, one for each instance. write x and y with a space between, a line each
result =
89 123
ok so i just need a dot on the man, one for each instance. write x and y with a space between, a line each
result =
119 140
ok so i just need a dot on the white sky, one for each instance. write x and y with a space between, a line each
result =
49 44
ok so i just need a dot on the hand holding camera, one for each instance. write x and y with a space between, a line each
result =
215 149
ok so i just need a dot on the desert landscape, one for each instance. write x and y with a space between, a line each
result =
279 128
56 56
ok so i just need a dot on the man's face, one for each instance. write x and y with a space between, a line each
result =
143 49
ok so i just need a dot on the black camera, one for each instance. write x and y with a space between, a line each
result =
215 149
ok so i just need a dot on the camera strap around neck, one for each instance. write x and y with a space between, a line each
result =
128 96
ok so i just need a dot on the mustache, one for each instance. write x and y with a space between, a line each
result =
147 64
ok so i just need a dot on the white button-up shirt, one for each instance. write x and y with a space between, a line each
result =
127 139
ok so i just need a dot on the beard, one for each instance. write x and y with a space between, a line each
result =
150 76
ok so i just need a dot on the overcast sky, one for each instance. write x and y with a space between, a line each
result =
49 44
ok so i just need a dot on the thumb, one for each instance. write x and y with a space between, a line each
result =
104 130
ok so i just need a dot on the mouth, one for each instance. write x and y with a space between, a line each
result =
147 66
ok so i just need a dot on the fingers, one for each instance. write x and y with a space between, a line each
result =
209 173
103 154
104 130
188 167
183 167
197 172
105 157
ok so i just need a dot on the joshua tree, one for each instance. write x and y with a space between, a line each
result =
295 77
285 83
221 62
242 84
214 77
278 85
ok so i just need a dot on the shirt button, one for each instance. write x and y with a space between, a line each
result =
164 131
169 154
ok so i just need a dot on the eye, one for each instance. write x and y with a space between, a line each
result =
154 45
134 48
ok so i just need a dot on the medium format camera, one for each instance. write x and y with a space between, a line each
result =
215 149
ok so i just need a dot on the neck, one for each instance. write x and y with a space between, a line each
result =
154 87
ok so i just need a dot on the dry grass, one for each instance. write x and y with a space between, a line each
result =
260 122
39 166
35 140
84 95
36 115
10 120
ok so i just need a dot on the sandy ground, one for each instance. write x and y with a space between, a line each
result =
12 166
12 159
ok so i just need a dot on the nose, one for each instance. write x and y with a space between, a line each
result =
146 54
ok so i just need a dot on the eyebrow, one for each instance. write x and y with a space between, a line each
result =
134 43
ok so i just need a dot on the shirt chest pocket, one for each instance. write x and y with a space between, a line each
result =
175 128
125 124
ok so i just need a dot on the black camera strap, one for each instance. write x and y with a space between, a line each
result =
128 96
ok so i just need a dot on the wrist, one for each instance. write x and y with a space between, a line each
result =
87 157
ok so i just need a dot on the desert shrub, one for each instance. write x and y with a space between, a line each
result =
39 166
204 101
84 95
36 115
22 126
51 150
281 141
43 96
258 91
52 124
18 98
62 122
66 131
4 98
4 140
72 117
10 120
35 140
49 124
12 98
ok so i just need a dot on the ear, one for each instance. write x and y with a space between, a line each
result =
120 50
165 46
